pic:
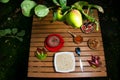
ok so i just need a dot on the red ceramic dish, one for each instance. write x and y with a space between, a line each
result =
53 41
56 46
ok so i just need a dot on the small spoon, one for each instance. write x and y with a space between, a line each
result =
77 50
77 38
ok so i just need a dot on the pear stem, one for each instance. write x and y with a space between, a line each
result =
88 10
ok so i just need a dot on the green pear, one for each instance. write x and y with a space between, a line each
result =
59 15
74 18
27 6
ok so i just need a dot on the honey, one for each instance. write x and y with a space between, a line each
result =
78 39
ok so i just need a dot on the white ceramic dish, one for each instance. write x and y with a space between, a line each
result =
64 62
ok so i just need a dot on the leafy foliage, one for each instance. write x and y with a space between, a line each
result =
41 10
13 33
27 6
79 5
4 1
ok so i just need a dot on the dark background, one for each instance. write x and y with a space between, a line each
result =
14 55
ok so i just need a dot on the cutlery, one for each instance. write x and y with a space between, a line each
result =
77 50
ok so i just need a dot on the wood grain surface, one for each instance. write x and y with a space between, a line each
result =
45 69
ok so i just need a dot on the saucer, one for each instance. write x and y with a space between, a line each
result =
53 46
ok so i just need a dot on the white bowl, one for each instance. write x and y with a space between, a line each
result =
64 62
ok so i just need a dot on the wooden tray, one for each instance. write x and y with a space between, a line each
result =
45 69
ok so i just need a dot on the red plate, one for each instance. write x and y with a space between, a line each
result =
54 49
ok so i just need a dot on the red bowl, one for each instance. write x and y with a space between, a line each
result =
87 27
56 47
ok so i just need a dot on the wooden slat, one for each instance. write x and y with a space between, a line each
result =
83 53
50 59
70 44
64 35
70 75
77 69
56 31
47 26
68 48
38 39
41 28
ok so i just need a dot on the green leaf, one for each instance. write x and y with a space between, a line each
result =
2 33
80 4
83 3
54 16
63 3
14 30
100 9
4 1
7 31
41 10
21 33
27 7
56 2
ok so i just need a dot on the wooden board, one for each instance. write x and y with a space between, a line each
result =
45 69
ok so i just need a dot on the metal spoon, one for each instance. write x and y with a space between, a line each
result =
77 50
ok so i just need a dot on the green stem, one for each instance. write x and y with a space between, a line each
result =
87 16
97 26
88 10
91 19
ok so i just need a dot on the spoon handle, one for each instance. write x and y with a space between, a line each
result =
72 34
78 51
81 65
